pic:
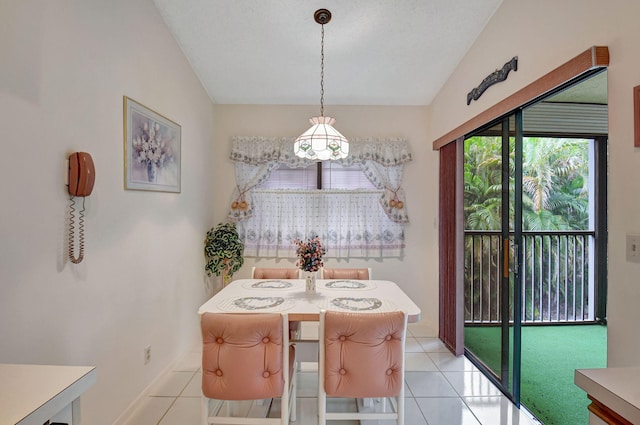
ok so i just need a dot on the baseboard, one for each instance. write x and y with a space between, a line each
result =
130 410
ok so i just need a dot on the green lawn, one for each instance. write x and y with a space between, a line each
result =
550 354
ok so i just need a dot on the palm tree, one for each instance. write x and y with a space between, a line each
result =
482 183
555 195
553 179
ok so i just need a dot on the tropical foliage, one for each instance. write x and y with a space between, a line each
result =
555 198
555 183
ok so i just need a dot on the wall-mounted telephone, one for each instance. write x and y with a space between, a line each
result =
82 175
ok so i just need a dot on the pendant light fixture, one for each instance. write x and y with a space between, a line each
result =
321 141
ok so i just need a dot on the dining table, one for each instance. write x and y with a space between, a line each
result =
289 295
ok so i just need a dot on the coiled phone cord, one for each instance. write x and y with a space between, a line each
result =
72 220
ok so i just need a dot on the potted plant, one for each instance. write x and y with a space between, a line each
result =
223 251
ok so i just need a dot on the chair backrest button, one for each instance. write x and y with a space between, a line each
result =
343 372
219 340
265 339
266 374
343 338
219 372
388 338
389 372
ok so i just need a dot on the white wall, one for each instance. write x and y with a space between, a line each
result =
417 272
65 68
544 34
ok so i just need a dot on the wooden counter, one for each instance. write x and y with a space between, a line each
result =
614 394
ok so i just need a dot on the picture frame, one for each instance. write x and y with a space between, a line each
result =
636 116
152 149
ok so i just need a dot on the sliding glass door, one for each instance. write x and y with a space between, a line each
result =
535 242
493 227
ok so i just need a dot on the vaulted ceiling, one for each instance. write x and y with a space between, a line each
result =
377 52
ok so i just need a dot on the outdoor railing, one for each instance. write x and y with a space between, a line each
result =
557 277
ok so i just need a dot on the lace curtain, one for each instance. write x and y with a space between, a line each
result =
344 220
248 176
267 219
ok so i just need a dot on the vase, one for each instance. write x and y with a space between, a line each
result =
310 282
152 170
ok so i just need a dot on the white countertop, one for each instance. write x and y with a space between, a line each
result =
32 394
616 388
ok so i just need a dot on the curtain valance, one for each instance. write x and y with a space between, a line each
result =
261 150
381 160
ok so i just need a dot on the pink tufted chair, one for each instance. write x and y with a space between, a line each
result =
333 273
247 357
275 273
360 274
279 273
362 356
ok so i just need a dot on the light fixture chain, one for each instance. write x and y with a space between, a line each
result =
322 73
322 141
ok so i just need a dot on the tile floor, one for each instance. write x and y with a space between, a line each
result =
441 389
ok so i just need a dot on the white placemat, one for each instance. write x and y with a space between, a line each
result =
270 284
360 305
255 304
347 285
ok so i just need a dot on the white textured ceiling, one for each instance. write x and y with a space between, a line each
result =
377 52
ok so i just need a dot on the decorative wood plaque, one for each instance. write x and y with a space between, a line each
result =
496 77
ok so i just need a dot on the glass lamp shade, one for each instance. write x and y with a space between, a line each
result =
321 141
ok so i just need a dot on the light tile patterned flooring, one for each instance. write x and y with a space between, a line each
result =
441 389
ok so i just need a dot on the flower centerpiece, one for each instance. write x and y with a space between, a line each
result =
309 255
223 251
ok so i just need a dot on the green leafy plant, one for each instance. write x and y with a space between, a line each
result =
223 251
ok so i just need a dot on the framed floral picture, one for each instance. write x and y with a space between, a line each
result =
151 149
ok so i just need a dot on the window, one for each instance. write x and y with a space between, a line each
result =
321 175
356 205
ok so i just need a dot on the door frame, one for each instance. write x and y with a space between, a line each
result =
451 327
